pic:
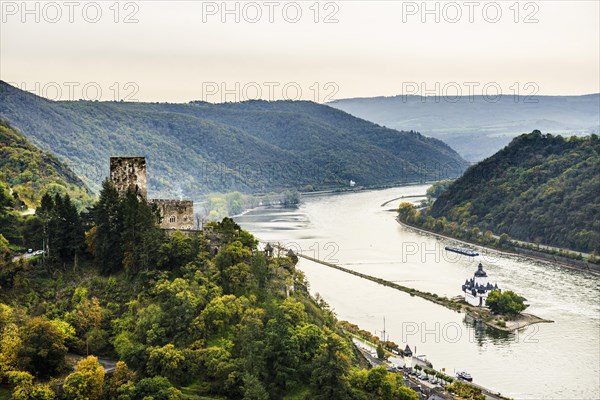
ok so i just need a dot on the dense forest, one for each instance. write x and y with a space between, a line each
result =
117 309
540 189
254 146
31 172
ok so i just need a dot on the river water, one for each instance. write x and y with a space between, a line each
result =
557 360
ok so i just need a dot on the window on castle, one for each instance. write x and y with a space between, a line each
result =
172 219
184 219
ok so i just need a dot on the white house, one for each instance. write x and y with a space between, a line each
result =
476 289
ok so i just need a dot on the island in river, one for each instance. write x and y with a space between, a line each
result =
506 323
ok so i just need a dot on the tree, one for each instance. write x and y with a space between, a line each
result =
253 389
503 241
6 200
156 388
405 212
507 302
64 229
291 198
86 382
141 235
88 315
5 253
43 350
380 352
228 256
121 377
166 361
10 341
109 225
25 389
282 352
378 384
182 299
176 252
330 370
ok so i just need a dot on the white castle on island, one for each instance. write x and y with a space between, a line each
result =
476 289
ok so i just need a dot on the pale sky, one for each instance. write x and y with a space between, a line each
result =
183 50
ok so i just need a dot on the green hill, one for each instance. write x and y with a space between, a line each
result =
253 146
540 188
196 315
31 172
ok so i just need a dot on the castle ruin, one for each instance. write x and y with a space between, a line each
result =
129 173
176 214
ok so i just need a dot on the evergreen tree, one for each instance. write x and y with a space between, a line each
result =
141 235
107 217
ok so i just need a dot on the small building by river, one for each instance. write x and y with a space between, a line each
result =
476 289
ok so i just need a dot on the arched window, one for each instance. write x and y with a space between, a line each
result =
172 219
184 219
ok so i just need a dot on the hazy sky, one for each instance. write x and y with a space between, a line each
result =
186 50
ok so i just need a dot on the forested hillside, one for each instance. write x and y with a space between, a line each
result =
254 146
31 172
540 188
198 316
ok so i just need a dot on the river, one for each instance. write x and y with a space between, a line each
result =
557 360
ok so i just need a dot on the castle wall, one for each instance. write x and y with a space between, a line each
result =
176 214
477 300
129 173
481 280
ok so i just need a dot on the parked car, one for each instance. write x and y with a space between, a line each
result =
38 253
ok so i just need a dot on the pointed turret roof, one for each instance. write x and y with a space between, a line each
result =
480 272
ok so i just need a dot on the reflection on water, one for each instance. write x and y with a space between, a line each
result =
486 334
555 361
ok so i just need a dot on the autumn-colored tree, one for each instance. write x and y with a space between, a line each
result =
43 347
10 341
86 382
166 361
121 377
25 389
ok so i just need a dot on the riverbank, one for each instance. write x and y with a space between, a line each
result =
506 323
501 322
539 256
362 189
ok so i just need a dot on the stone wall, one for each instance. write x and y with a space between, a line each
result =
129 173
176 214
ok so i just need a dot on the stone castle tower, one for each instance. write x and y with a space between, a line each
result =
130 173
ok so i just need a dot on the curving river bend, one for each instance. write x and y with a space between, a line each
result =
560 360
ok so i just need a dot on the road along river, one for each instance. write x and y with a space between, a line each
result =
551 361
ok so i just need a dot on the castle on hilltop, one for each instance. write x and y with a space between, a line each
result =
129 173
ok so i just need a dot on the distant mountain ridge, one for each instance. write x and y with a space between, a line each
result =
477 126
540 189
253 146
